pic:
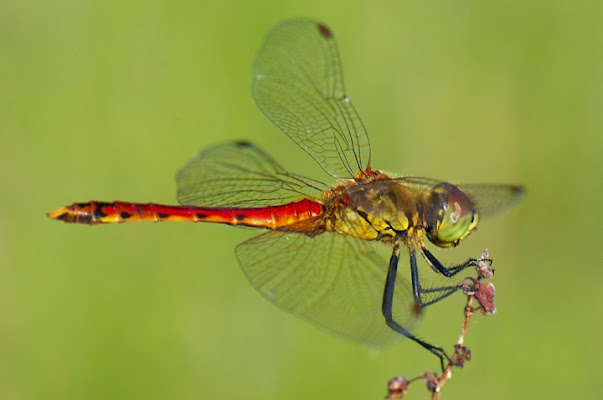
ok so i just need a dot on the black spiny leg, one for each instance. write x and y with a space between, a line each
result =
388 299
448 272
441 292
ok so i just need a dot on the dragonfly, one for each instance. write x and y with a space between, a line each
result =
328 253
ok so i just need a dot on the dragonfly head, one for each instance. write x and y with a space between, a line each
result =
449 216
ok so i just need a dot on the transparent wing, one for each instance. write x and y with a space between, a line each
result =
240 174
488 198
332 280
298 84
491 199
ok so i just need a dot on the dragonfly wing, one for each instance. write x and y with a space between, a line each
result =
298 84
240 174
491 199
488 198
334 281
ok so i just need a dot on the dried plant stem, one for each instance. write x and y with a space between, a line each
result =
465 356
474 289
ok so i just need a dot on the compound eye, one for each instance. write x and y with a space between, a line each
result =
458 215
452 215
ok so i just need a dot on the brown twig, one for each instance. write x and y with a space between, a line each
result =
474 289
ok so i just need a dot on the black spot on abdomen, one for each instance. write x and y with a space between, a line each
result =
98 212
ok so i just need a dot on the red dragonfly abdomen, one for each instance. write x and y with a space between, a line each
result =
271 217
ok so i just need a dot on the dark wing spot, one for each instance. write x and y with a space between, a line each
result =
416 309
240 217
201 216
163 215
125 215
518 190
324 31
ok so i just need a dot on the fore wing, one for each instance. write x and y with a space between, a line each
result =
491 199
488 198
298 84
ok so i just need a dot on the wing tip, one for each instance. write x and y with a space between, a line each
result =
324 30
518 191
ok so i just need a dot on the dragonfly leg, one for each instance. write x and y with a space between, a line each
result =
388 298
444 292
451 271
441 292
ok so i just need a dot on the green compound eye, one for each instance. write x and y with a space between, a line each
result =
455 222
449 215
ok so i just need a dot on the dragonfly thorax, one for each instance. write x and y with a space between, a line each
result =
384 207
394 207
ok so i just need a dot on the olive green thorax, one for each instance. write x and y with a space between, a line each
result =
378 208
392 207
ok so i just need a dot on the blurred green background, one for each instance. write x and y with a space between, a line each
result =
106 100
